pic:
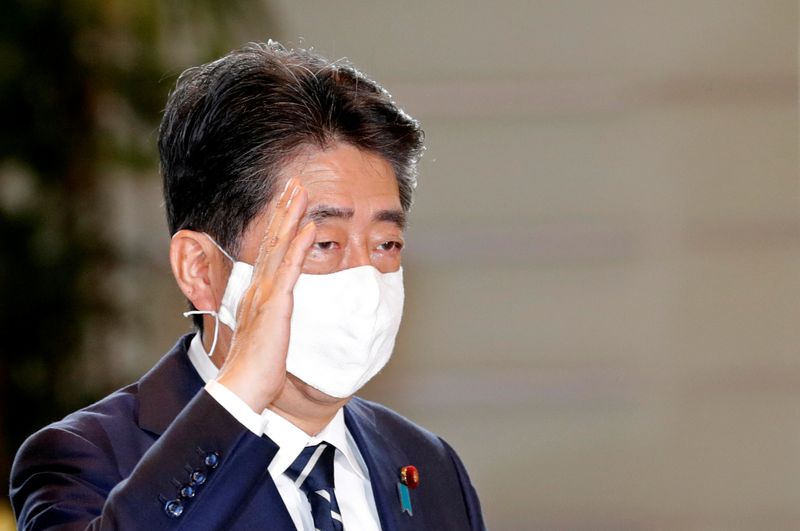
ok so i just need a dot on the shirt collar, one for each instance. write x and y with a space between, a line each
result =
200 360
290 439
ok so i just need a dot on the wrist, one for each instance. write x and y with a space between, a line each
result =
250 389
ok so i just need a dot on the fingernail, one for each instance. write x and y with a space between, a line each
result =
286 187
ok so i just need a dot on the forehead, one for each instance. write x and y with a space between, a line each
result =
344 173
342 177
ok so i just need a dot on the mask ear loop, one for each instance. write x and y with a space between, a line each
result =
216 325
218 246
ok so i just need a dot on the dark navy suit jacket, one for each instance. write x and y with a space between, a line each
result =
124 463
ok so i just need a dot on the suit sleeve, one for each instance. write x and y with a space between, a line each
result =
468 491
195 476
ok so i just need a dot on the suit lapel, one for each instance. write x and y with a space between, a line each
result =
384 460
166 388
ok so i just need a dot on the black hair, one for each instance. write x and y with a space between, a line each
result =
231 125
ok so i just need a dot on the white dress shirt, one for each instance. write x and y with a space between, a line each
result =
353 487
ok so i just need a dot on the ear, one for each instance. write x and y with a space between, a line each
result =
200 269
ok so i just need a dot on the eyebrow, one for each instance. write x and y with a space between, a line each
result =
398 217
320 213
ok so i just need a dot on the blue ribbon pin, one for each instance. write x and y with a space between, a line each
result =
405 499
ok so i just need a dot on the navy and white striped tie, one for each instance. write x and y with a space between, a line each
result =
312 473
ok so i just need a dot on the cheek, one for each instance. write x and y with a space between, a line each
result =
386 262
319 263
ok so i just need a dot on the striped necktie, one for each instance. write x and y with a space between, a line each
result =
312 473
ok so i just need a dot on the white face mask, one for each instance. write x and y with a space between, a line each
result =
343 327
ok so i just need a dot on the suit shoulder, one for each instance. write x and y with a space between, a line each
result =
107 411
88 432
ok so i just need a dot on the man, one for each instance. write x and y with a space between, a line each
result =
287 180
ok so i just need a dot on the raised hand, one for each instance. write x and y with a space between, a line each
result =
255 368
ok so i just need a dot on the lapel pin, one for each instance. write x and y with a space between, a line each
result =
409 479
409 475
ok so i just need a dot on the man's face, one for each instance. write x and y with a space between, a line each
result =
354 200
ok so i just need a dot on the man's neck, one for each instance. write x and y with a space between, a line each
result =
305 407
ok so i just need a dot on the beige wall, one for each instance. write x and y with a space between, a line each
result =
602 270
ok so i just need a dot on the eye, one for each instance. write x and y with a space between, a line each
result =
325 246
391 246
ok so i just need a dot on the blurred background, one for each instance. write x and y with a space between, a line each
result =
603 265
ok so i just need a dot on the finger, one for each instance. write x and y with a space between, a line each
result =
292 263
270 234
280 237
279 288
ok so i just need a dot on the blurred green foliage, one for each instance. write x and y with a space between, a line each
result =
82 83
